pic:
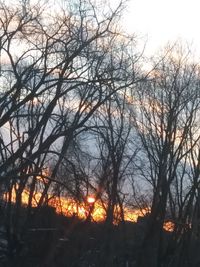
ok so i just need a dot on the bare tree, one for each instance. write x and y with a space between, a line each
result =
165 115
56 71
113 145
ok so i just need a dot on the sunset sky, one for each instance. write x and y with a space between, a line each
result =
159 21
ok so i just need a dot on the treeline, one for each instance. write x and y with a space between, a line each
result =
81 114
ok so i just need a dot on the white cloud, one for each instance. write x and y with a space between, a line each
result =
164 20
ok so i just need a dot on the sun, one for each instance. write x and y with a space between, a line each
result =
90 199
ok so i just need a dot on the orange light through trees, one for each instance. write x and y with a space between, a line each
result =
69 207
169 226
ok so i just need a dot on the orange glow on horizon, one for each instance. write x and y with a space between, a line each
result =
69 207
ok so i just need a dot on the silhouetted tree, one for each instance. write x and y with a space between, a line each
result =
166 111
57 69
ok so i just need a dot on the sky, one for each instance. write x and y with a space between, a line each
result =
159 21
